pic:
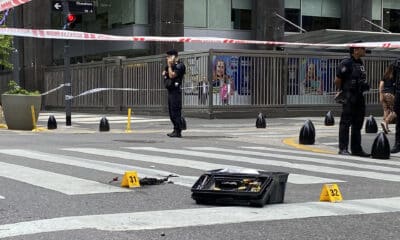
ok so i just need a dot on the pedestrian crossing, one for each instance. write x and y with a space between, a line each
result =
304 167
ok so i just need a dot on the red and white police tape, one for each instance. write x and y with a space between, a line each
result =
7 4
75 35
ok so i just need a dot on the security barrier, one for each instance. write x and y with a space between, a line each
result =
217 80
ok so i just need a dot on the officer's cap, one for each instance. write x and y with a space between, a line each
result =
172 52
352 48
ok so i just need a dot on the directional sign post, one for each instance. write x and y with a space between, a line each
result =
75 6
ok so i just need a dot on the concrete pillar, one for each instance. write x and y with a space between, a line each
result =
37 53
166 19
353 12
265 25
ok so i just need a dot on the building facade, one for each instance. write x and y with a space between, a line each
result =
240 19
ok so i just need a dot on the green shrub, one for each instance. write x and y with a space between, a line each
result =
14 88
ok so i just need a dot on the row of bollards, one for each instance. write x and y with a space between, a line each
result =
380 147
104 124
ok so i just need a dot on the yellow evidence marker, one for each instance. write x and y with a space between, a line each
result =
331 193
130 180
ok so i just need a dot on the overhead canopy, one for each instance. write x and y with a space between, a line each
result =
335 36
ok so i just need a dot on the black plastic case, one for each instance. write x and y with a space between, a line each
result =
226 188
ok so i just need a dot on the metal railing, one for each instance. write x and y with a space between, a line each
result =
218 79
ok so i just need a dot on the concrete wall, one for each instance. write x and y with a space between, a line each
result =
353 12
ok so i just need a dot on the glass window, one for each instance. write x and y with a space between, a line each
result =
311 7
292 15
219 14
321 8
195 13
292 4
241 19
376 9
391 4
241 4
391 19
311 23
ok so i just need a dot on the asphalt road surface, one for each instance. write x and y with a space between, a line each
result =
65 183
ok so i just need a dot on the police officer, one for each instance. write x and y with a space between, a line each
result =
351 81
396 77
173 75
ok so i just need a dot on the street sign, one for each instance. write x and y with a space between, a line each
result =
75 6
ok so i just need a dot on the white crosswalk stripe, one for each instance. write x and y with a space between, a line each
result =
293 178
57 182
264 156
180 162
98 165
179 218
302 166
319 155
1 197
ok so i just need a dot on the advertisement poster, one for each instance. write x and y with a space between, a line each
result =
231 80
316 76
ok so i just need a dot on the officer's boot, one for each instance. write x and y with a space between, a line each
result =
396 148
175 133
172 134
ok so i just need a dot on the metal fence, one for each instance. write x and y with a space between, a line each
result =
214 80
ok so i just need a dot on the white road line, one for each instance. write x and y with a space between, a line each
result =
331 143
152 220
179 162
341 157
2 198
293 178
54 181
299 158
302 166
187 181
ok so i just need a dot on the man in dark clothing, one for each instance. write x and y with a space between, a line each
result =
351 81
396 78
173 75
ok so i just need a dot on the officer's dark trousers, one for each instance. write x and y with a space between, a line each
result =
352 115
397 111
175 108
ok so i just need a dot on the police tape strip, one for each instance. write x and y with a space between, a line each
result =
7 4
96 90
75 35
53 90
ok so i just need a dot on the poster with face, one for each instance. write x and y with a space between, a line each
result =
310 77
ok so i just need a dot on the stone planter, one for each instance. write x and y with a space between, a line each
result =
17 110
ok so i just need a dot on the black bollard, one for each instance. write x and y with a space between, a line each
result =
329 119
261 122
183 123
380 147
51 123
370 125
307 133
104 125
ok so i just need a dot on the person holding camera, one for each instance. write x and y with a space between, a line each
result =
173 77
352 83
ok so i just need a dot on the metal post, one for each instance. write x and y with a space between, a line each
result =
15 54
67 71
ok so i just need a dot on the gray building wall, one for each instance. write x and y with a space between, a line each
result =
266 26
353 12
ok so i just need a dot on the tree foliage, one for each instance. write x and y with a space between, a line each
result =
5 49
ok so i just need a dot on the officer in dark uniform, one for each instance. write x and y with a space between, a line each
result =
352 83
396 77
173 75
